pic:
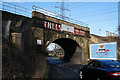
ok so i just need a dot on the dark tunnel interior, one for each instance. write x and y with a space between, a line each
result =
69 46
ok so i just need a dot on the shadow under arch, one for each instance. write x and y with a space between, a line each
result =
72 50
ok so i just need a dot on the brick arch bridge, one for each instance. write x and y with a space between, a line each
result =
71 37
25 32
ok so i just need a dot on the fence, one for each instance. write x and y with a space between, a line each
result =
12 8
9 7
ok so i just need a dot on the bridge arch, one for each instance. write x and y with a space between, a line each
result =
75 38
72 50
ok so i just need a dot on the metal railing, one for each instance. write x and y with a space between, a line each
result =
12 8
58 16
9 7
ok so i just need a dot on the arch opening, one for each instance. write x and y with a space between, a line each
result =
72 50
55 50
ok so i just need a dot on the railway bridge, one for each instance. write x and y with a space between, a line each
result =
26 32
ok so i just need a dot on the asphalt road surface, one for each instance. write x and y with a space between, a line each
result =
60 70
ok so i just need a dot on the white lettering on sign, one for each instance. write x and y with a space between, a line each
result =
63 28
79 32
52 26
66 28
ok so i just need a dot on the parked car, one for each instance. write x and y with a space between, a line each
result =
100 70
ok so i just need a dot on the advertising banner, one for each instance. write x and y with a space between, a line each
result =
66 28
103 51
79 32
53 26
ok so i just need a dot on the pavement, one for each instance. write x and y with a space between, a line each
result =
60 70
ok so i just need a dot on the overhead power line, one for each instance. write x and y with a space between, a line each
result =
102 13
107 19
98 10
83 5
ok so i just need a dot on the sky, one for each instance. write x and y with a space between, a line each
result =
98 15
60 0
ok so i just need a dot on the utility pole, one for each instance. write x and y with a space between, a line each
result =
62 8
